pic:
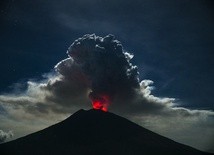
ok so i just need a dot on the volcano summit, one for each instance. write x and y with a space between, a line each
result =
95 132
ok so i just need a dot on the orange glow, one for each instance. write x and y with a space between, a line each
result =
99 102
99 106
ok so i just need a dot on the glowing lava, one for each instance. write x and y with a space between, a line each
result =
99 102
99 105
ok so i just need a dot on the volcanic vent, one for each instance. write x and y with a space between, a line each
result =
99 102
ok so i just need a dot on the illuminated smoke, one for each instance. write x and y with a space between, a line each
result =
99 101
106 68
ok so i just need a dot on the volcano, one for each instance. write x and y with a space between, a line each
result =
95 132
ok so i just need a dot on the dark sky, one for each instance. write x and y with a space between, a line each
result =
172 40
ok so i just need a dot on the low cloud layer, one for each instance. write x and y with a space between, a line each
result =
101 65
5 135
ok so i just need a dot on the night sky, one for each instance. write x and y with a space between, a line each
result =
172 42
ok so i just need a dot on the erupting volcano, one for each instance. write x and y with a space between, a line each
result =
76 135
99 102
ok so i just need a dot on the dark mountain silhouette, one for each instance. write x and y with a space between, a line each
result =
95 132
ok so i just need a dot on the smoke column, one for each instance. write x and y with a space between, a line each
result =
105 66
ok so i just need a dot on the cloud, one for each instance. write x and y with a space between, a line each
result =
101 65
5 135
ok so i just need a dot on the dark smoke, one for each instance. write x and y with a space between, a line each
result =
105 65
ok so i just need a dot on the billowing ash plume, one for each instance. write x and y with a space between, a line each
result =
103 65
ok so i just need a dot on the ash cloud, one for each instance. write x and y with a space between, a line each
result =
102 65
5 135
94 64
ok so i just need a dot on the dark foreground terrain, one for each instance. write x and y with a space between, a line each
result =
94 132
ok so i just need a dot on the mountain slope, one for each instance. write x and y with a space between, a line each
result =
95 132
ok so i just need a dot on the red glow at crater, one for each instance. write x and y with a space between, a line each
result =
99 102
99 105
